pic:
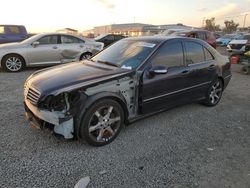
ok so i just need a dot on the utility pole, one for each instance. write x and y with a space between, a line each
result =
244 20
203 22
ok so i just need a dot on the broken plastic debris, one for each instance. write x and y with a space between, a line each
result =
210 149
103 172
82 183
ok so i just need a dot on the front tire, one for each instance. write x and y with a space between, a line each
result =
13 63
102 122
214 93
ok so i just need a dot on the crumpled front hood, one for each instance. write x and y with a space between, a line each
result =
72 76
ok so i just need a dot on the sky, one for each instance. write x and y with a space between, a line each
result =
50 15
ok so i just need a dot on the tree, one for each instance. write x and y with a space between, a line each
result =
210 25
230 26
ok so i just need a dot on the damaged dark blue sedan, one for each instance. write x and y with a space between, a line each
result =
130 80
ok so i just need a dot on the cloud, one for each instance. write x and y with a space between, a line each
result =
226 11
108 4
202 9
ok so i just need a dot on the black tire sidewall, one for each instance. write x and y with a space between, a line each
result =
3 63
85 54
245 70
84 132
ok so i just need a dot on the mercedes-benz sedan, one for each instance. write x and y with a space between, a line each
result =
130 80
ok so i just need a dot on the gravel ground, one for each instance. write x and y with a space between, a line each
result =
189 146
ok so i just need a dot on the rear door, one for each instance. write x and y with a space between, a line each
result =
71 47
201 69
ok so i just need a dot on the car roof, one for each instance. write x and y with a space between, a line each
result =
159 38
11 25
56 33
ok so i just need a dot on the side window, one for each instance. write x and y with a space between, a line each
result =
70 40
14 30
169 55
51 39
2 30
195 53
208 55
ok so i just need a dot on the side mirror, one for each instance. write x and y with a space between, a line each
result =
35 44
158 70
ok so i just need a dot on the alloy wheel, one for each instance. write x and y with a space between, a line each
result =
215 93
104 124
85 56
13 64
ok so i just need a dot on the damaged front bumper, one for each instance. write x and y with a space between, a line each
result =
37 118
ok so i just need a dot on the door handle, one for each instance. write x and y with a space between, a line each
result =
211 66
185 71
81 46
55 47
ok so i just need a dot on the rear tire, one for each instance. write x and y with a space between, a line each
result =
102 122
214 93
86 55
13 63
245 69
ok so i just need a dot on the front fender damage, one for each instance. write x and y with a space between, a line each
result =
64 114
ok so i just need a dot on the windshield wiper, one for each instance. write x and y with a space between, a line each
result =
108 63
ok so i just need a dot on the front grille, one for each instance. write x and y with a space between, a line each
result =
33 95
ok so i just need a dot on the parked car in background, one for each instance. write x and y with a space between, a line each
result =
170 31
239 44
200 34
132 79
217 35
46 49
12 33
224 40
109 39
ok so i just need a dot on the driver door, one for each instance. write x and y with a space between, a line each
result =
46 51
161 91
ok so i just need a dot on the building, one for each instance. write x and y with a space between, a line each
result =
129 29
133 29
68 30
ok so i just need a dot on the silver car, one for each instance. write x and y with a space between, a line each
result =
46 49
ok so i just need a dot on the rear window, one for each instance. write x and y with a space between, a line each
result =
14 30
208 55
2 30
195 53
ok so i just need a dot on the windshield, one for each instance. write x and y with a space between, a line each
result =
29 40
243 37
180 33
128 54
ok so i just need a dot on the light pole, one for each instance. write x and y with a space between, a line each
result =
244 20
